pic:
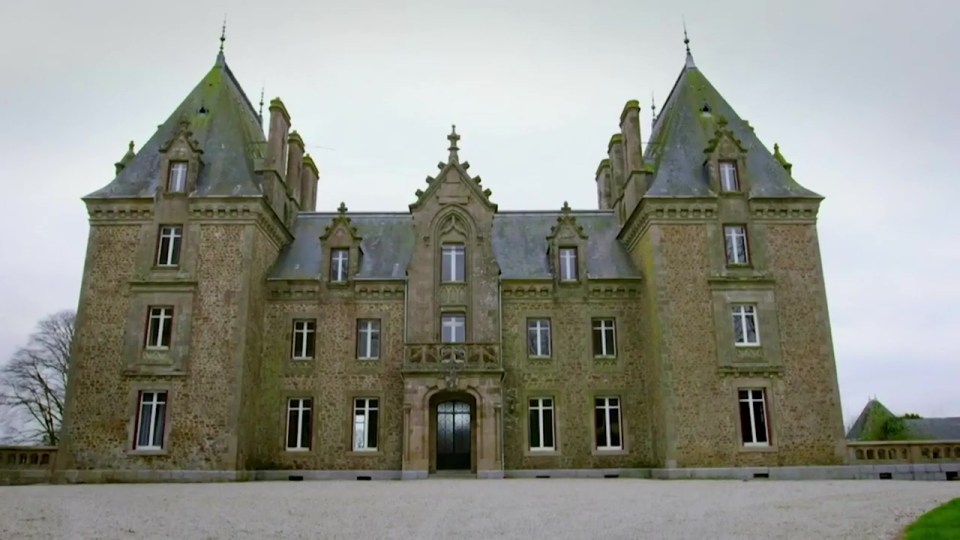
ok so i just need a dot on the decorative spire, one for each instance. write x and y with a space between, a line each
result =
125 159
686 43
453 138
342 209
653 109
263 87
223 33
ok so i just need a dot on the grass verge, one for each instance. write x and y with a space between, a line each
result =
941 523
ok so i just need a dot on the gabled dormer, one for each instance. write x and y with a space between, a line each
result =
567 249
180 162
447 186
725 163
341 250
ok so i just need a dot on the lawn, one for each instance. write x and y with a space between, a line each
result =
941 523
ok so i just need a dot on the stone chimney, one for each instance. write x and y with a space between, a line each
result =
308 180
603 185
277 137
630 130
294 166
617 178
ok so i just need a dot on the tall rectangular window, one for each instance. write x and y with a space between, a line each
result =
753 418
453 328
168 248
729 180
745 325
151 418
541 424
452 263
604 337
735 240
159 327
538 337
177 177
304 339
607 423
568 264
299 423
368 339
339 265
365 420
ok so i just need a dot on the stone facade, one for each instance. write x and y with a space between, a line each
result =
453 335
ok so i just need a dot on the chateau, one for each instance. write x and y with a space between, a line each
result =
226 329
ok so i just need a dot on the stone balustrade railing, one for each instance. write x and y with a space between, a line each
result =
879 452
27 464
445 356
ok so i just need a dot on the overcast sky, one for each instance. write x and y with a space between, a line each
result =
861 95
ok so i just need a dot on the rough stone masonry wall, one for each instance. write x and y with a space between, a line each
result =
573 378
333 379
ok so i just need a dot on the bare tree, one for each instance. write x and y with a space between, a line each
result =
33 384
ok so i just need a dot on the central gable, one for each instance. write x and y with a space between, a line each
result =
453 185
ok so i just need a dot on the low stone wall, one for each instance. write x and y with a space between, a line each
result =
887 452
27 464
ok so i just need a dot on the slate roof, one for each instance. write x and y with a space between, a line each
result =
873 407
918 428
227 129
519 244
682 132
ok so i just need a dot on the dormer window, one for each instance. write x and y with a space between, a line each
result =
729 181
452 267
339 265
177 177
568 264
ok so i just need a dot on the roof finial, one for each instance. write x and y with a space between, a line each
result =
453 138
653 108
223 32
686 42
263 88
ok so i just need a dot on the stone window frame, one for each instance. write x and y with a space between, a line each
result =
358 334
133 415
725 147
526 336
748 263
341 234
737 187
557 446
744 315
453 246
181 148
336 269
175 165
173 359
285 422
163 316
616 348
177 239
454 312
293 339
755 383
561 266
764 355
353 396
624 449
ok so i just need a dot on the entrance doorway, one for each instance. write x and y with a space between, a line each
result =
453 435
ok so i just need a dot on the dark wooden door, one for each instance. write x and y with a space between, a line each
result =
453 435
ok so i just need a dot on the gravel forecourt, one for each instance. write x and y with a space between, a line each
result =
456 508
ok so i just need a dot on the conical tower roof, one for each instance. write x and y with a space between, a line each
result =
225 125
682 131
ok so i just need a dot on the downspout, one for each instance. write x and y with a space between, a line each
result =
503 408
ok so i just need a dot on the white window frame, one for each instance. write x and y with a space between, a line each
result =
607 407
161 318
450 255
300 407
729 176
177 177
457 323
736 252
538 406
363 409
172 235
743 314
308 329
158 398
538 329
366 329
752 399
568 264
339 264
606 349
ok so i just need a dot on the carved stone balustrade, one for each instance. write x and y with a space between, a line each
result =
27 464
881 452
439 357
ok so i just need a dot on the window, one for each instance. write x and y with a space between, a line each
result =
607 423
453 328
159 327
368 339
568 264
304 333
168 248
299 423
541 424
604 337
151 416
365 420
177 176
452 262
745 325
753 418
339 265
728 176
538 337
735 239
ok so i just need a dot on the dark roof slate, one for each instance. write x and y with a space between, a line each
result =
682 132
228 132
934 428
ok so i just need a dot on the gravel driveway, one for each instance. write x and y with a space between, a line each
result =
446 508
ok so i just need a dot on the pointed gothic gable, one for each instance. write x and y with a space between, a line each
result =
687 126
341 228
567 227
223 124
454 185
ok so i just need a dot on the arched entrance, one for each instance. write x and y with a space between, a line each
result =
453 431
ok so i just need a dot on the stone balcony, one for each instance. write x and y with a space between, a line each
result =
437 357
903 452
